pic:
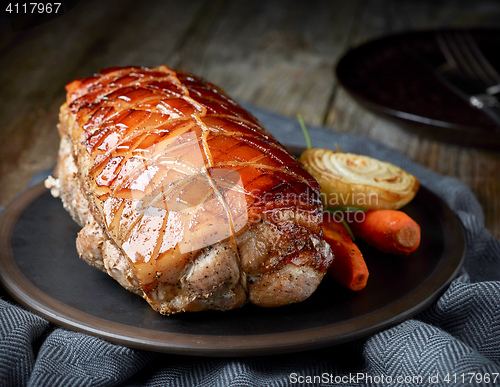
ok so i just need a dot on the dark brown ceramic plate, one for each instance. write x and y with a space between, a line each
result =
392 77
40 268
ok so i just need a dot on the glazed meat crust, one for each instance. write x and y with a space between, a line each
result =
184 198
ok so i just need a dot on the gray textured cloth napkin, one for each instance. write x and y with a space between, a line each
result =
456 341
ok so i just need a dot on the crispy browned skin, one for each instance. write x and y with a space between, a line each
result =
184 197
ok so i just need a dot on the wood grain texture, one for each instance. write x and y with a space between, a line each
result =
276 54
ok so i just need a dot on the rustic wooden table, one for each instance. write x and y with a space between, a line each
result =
277 54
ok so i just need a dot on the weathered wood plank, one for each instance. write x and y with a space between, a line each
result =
273 55
46 57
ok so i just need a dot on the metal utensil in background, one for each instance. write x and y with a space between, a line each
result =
468 72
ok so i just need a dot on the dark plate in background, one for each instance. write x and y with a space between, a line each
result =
391 77
40 268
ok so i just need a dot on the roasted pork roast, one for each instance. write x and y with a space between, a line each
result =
183 197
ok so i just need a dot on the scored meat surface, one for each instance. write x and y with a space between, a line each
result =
183 197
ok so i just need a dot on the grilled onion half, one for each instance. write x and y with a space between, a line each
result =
348 179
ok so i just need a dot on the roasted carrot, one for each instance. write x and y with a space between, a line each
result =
390 231
348 267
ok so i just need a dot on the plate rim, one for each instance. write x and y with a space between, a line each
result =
28 295
452 132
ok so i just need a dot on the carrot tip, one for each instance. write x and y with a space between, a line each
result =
407 236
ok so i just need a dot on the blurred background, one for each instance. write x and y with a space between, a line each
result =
276 54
